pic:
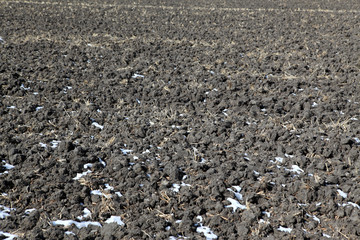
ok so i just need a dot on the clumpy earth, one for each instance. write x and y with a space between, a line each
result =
179 119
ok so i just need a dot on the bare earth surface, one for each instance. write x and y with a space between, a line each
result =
179 119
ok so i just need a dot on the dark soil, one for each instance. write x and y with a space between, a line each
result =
188 119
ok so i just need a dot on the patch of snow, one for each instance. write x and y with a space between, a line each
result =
97 125
341 193
119 194
54 143
295 168
350 204
125 151
313 217
279 159
39 108
12 107
24 88
68 223
325 235
28 211
87 214
43 145
5 212
209 235
115 219
354 119
7 165
237 193
167 228
8 236
98 192
35 93
137 75
289 156
235 204
69 233
284 229
108 187
80 175
266 213
102 162
314 104
175 187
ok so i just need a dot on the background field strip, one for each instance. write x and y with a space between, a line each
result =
85 5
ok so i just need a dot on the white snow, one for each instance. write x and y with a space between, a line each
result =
98 192
54 143
23 87
284 229
237 194
39 108
137 75
314 104
43 145
235 204
266 213
68 223
12 107
125 151
279 159
102 162
108 187
175 187
80 175
325 235
28 211
295 168
349 204
209 235
69 233
8 236
97 125
87 214
7 165
313 217
341 193
5 212
115 219
119 194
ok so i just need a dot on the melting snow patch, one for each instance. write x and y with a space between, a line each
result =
87 214
237 194
28 211
8 236
313 217
235 204
97 125
102 162
284 229
98 192
175 187
12 107
54 143
349 203
279 159
108 187
5 212
43 145
325 235
266 213
209 235
295 168
39 108
125 151
314 104
80 175
119 194
69 233
7 165
68 223
341 193
115 219
137 75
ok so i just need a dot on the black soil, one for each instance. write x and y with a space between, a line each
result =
240 120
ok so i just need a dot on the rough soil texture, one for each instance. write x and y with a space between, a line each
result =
179 119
